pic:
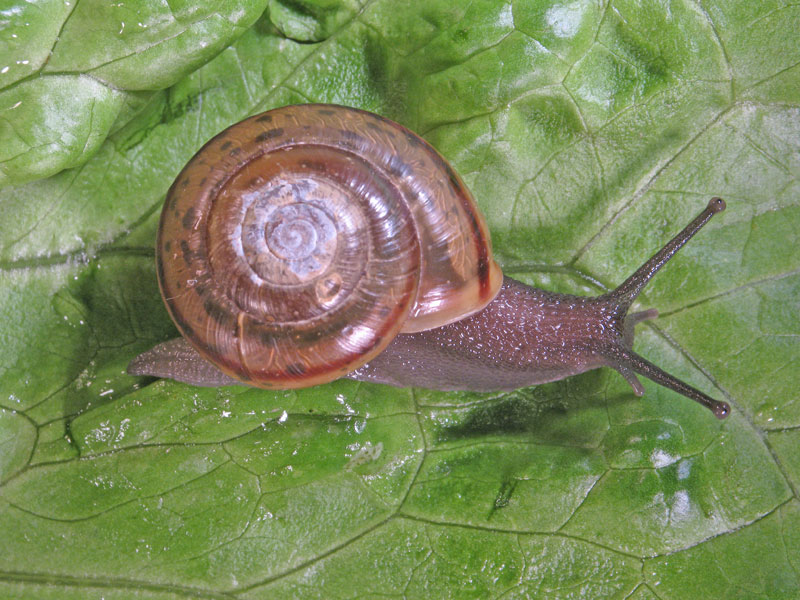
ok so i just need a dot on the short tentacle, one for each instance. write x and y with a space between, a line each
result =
631 321
631 378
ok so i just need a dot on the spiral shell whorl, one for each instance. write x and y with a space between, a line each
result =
288 252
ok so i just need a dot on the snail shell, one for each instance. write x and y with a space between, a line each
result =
296 244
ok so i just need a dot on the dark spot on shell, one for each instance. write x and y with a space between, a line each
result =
351 139
185 182
384 119
413 139
243 376
216 312
483 270
202 285
167 245
268 135
308 337
481 245
451 174
226 145
178 285
203 181
264 119
189 255
296 369
326 111
314 165
189 218
234 152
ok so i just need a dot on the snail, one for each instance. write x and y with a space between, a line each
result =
315 242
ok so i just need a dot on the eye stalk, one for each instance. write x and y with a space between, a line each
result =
627 292
621 356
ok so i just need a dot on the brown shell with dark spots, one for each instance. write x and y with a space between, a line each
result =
297 243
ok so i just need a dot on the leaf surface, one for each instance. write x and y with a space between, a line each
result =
589 132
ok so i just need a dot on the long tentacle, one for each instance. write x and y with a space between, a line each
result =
626 293
631 361
620 355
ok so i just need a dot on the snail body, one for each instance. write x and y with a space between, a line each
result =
315 242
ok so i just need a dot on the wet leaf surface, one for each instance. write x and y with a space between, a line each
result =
589 133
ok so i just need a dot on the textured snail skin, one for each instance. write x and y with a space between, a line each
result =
526 336
495 333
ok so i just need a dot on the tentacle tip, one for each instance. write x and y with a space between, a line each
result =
721 410
716 205
630 377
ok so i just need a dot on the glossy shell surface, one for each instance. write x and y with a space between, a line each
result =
296 244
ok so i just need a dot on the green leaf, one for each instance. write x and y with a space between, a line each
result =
67 68
53 123
589 132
